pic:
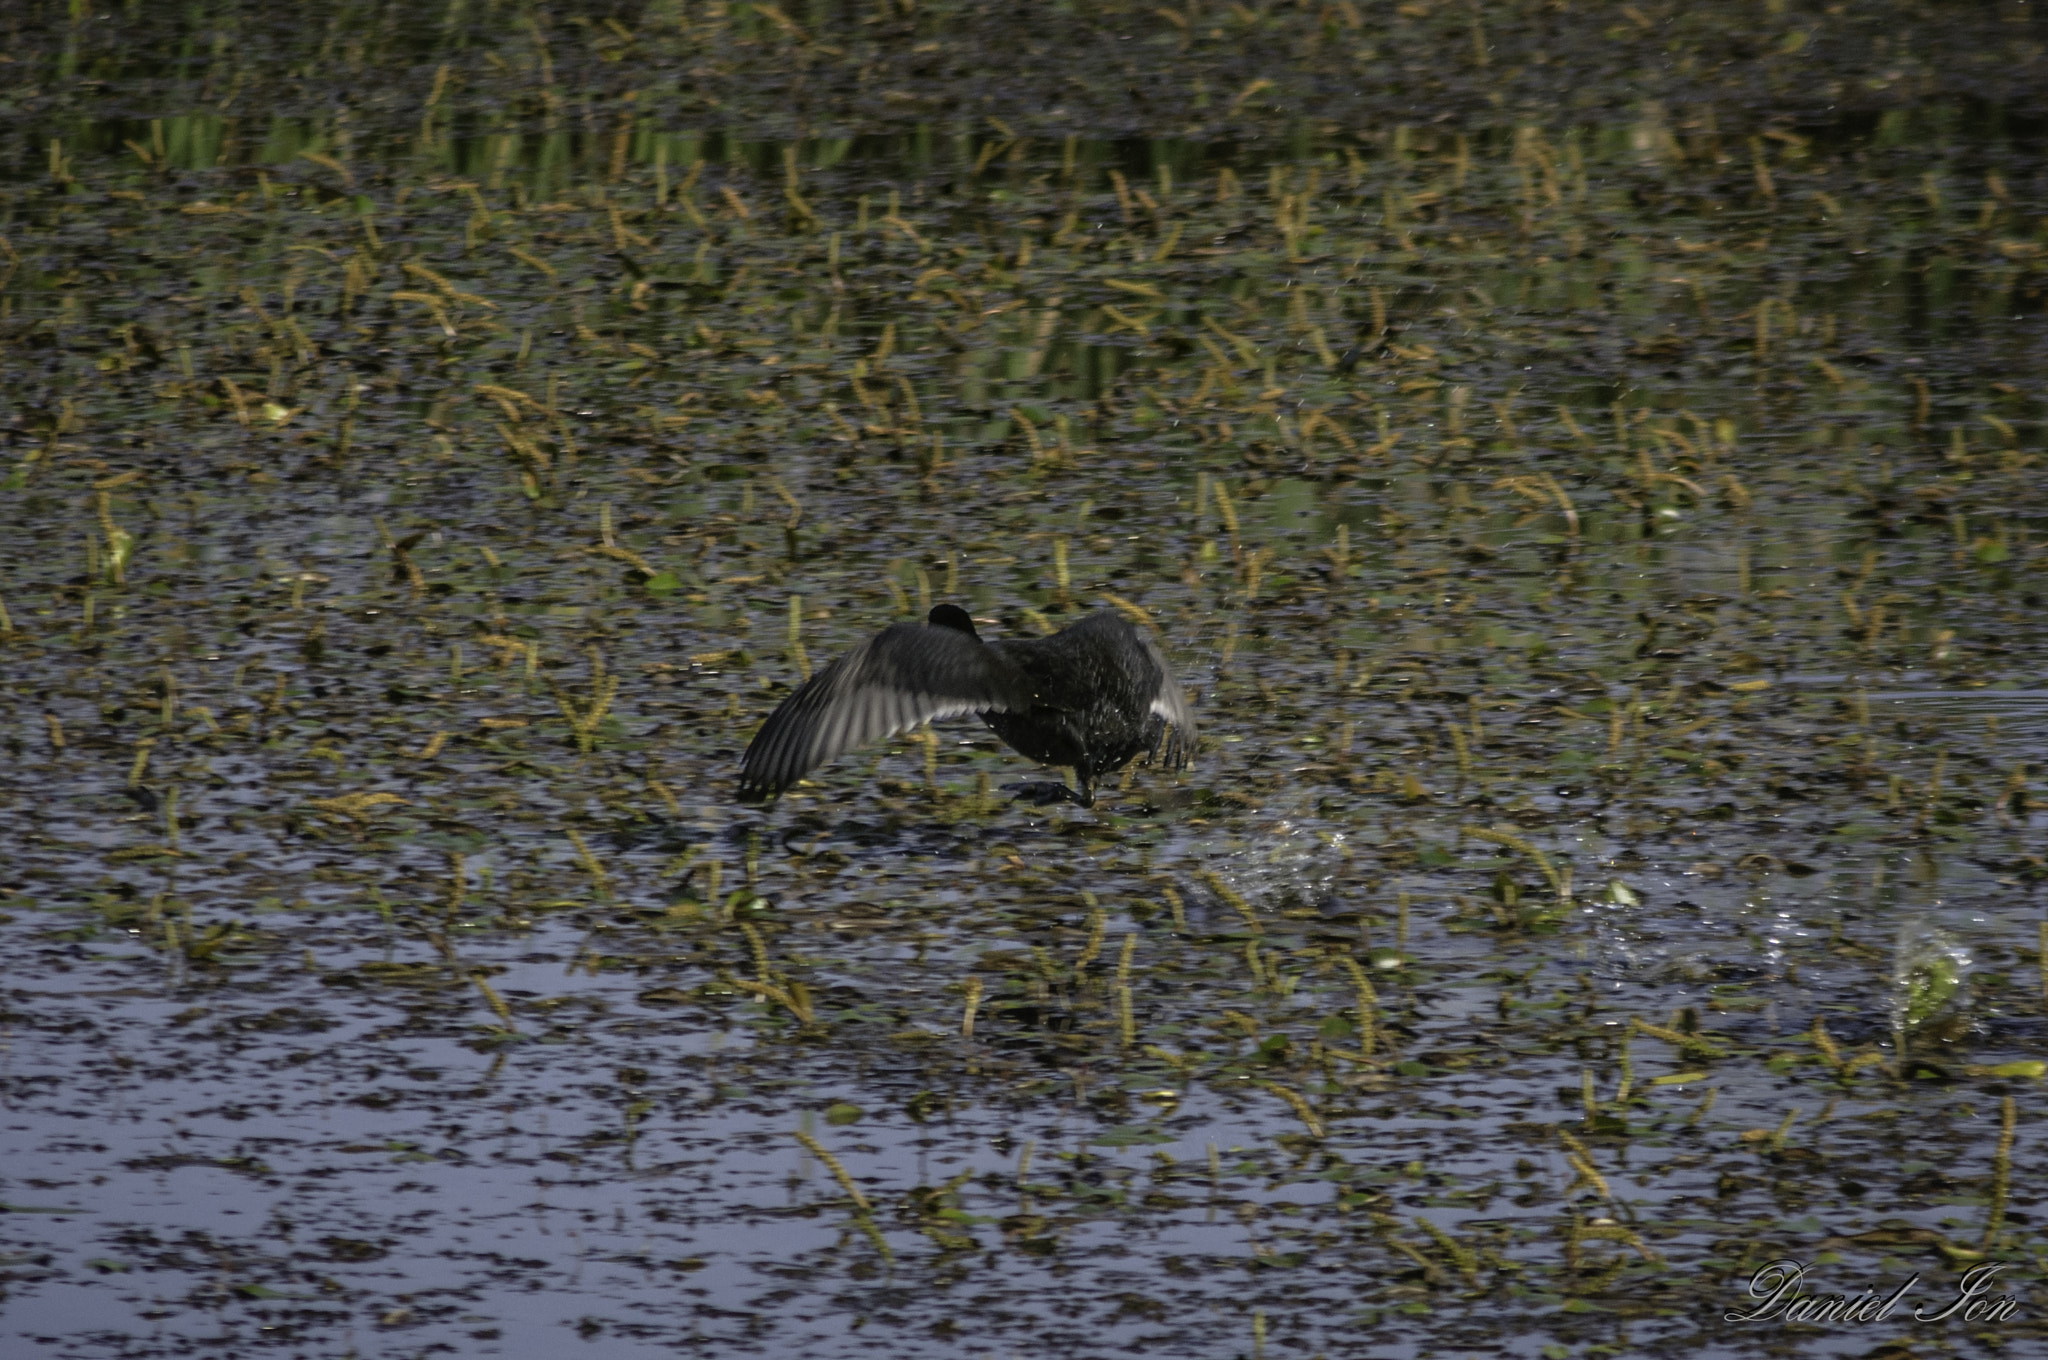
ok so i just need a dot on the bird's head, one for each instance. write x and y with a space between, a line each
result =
951 616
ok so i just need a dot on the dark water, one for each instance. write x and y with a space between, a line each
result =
1586 469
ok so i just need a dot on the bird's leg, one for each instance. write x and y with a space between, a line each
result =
1045 792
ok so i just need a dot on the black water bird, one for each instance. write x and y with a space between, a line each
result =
1092 697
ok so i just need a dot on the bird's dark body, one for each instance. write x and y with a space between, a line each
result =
1092 697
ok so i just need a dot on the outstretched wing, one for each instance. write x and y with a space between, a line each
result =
905 675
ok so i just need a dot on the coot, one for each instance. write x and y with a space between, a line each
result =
1092 697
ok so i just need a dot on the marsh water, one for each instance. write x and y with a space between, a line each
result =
1587 470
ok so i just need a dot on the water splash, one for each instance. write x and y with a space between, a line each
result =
1930 982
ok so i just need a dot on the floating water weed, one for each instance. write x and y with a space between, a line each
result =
589 861
1367 1007
1301 1107
1231 897
837 1168
2001 1172
793 997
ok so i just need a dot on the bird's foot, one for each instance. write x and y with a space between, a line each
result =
1044 793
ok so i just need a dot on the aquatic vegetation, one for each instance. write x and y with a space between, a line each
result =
1583 470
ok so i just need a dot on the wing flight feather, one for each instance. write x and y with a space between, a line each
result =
1176 749
905 675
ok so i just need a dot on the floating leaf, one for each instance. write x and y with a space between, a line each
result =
2024 1068
1130 1135
354 805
